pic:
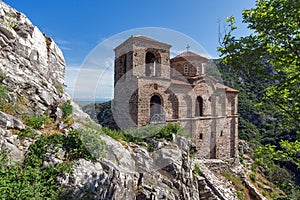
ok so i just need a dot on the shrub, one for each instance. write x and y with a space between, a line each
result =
29 181
67 109
140 135
38 149
27 132
93 143
151 148
253 177
35 121
167 131
265 193
75 148
240 195
197 170
59 87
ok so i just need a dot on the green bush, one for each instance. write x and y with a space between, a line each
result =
253 177
93 143
150 148
75 147
67 109
59 87
240 195
27 132
26 182
35 121
74 144
167 131
38 149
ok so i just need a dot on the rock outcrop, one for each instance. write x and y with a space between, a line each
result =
33 65
32 70
132 172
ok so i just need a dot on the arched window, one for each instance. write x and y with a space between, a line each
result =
150 58
199 106
153 60
155 106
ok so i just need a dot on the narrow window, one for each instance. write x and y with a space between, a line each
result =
186 69
198 70
201 136
150 59
125 64
199 106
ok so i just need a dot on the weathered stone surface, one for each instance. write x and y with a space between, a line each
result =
15 154
33 64
165 174
8 121
117 154
150 87
243 147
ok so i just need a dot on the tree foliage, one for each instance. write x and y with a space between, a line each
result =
269 57
271 52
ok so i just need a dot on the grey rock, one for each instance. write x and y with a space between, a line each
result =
9 121
33 64
14 153
243 147
118 154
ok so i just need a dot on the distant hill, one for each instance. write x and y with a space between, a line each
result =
102 113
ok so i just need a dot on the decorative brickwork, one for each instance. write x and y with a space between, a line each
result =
151 88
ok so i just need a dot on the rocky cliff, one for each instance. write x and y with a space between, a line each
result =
32 63
42 130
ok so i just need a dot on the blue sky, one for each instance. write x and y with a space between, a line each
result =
78 26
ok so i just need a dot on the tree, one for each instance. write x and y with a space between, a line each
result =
270 56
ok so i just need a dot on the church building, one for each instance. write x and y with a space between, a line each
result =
152 88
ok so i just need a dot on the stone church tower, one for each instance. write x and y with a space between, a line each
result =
151 88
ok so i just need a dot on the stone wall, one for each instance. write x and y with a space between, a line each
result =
206 109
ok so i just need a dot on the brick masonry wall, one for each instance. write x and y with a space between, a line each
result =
214 133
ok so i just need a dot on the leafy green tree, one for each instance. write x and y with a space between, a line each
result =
270 55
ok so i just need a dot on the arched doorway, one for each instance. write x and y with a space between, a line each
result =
199 106
155 106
